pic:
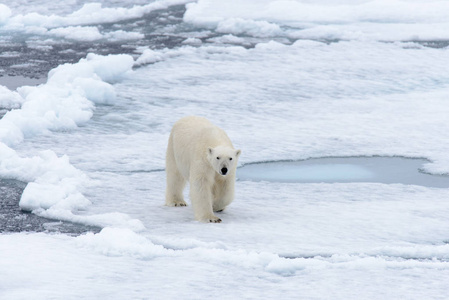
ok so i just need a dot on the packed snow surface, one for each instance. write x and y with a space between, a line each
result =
287 80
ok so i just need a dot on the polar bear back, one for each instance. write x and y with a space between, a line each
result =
191 137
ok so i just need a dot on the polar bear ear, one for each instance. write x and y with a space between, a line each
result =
210 150
237 153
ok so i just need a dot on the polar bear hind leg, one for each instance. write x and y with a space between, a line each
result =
175 181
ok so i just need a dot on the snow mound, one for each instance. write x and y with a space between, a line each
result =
5 13
240 26
9 99
67 100
122 242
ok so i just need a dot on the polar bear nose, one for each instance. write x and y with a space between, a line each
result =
224 171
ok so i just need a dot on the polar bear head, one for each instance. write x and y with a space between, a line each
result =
223 159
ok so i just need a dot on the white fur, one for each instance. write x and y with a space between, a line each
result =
199 152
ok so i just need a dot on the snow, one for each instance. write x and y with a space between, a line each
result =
90 143
9 99
66 101
254 28
5 13
75 25
77 33
87 34
372 20
89 13
362 83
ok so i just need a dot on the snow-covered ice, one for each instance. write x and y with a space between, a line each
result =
287 80
324 19
75 25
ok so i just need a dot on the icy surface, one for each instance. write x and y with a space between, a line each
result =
324 19
287 80
75 25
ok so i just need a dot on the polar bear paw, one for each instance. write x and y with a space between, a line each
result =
176 203
214 220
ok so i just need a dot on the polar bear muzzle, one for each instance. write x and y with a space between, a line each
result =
224 171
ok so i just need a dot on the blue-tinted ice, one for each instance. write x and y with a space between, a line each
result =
345 169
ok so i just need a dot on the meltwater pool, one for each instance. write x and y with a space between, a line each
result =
345 169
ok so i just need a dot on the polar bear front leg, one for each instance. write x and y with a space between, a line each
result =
224 194
201 197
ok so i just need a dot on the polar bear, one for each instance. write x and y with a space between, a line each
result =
201 153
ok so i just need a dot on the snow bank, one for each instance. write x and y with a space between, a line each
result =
378 20
122 242
29 169
79 33
54 182
150 56
5 13
9 99
66 101
114 219
241 26
229 39
429 252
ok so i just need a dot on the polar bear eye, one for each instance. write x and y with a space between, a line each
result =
230 158
218 157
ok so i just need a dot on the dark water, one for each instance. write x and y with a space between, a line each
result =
387 170
12 82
